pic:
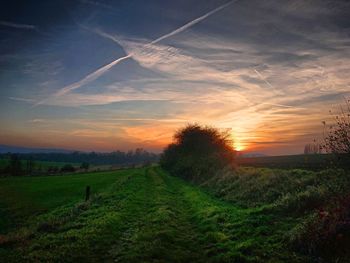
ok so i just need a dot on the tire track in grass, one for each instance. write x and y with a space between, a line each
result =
232 234
140 219
164 234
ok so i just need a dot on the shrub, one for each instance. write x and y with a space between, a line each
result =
198 152
67 168
85 166
326 232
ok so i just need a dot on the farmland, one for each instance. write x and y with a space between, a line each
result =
145 215
299 161
24 197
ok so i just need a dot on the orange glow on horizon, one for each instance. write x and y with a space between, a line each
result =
239 146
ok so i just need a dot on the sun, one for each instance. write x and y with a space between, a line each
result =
238 146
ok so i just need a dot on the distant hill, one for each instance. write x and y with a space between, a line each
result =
18 149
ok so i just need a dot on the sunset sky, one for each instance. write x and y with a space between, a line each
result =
106 75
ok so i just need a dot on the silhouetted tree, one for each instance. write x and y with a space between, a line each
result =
138 156
84 166
68 168
312 148
53 169
337 135
198 152
29 166
15 165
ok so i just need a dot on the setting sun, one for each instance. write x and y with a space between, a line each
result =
239 146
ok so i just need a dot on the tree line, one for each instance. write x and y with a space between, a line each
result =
29 163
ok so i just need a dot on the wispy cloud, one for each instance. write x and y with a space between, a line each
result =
96 74
271 78
17 25
22 99
262 77
91 77
193 22
96 3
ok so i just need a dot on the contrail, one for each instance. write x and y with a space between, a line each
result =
102 34
91 77
16 25
278 105
99 72
189 24
262 77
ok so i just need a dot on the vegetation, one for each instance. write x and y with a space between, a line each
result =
137 156
57 163
15 166
144 216
312 148
314 162
197 152
68 168
337 135
22 198
319 202
232 214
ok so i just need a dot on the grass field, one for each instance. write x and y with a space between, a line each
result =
139 215
21 198
145 215
299 161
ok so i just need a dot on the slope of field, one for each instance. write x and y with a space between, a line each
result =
300 161
22 198
148 216
318 200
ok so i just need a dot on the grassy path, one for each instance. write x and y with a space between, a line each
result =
148 216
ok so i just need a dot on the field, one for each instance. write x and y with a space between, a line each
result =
299 161
21 198
145 215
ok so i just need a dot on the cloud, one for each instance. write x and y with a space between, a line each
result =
192 23
96 3
96 74
89 78
271 78
22 99
18 26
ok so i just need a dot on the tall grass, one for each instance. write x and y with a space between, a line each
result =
319 201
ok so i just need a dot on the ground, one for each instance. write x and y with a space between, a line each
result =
136 215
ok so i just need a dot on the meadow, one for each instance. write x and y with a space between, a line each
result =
146 215
298 161
24 197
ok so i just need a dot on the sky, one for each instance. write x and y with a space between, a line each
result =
105 75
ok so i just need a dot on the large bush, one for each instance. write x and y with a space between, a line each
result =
198 152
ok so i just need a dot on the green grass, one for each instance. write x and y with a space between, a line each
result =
138 215
21 198
318 201
294 191
300 161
